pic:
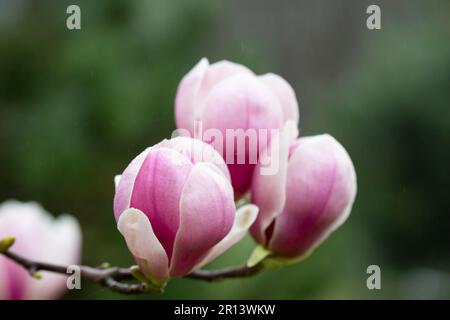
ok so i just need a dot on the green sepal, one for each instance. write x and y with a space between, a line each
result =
137 274
258 255
148 284
37 275
242 202
6 243
268 259
276 262
105 265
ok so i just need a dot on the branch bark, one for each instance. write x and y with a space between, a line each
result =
107 277
112 277
226 273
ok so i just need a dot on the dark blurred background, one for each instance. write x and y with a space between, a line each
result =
77 106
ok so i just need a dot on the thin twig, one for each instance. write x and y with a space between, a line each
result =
226 273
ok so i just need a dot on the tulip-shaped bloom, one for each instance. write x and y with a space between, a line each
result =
40 237
174 206
234 110
309 198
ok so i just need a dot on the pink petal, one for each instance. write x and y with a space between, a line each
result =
157 191
125 184
22 222
35 229
285 94
207 213
321 187
187 92
63 239
13 280
245 216
269 190
143 244
117 180
241 177
219 71
242 102
195 87
197 151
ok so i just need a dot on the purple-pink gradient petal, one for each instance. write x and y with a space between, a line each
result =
125 184
285 94
269 190
244 218
320 191
157 191
242 102
207 214
196 151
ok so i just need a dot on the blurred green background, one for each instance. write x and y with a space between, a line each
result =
77 106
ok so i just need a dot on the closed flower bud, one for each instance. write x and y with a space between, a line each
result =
308 199
38 236
228 96
174 206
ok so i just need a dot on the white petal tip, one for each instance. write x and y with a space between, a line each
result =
117 180
246 215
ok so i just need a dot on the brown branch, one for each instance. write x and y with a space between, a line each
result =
107 277
111 277
226 273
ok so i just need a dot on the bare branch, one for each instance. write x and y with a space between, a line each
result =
226 273
112 277
108 277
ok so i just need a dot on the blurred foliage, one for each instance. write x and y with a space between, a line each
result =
393 113
76 106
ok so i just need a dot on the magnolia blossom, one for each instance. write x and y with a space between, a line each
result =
310 197
174 206
40 237
228 96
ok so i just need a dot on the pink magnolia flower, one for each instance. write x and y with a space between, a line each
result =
39 237
226 95
310 197
174 206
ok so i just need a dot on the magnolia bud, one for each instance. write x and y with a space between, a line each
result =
303 204
174 206
241 106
